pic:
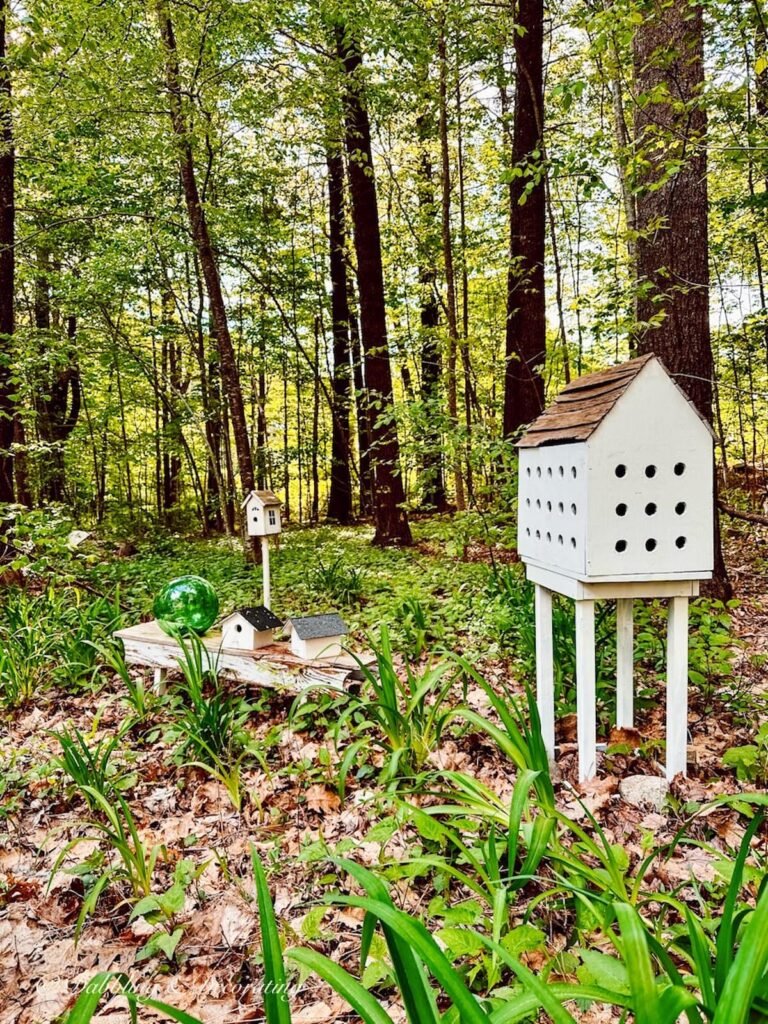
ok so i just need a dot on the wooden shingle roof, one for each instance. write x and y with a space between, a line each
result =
582 406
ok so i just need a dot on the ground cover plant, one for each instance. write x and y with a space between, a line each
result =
420 857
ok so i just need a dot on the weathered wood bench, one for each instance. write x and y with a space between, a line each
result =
273 666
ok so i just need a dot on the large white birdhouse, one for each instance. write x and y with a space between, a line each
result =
317 637
262 514
615 501
247 629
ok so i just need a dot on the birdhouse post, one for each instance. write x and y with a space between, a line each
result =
615 503
262 519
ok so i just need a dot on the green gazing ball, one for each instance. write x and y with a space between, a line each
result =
189 602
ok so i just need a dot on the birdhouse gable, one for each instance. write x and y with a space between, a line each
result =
317 637
588 402
262 513
249 628
615 480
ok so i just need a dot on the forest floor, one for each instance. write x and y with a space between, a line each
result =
459 589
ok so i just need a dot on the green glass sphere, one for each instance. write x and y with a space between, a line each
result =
189 602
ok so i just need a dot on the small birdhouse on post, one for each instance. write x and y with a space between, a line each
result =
261 510
615 502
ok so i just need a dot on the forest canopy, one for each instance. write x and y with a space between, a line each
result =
348 250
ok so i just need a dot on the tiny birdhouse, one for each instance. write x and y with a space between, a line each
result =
317 637
262 514
247 629
615 502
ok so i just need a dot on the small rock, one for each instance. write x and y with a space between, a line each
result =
644 791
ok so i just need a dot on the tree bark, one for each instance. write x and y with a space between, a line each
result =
7 263
389 515
450 278
526 331
340 497
672 206
205 251
433 494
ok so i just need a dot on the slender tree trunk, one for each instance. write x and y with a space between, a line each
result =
362 411
450 278
340 497
672 208
205 251
432 476
388 512
7 263
526 329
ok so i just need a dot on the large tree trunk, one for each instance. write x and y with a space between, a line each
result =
340 497
202 241
526 333
7 264
388 511
672 205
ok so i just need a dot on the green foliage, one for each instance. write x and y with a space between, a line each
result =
91 768
131 861
404 716
51 639
338 580
750 760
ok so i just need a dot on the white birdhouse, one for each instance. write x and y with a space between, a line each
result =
262 514
317 637
615 501
247 629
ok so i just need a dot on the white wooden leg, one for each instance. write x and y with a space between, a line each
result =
265 572
677 686
625 657
545 680
159 681
586 712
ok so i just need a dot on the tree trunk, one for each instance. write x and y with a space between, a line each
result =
340 497
389 514
432 477
202 241
7 264
672 206
450 278
526 330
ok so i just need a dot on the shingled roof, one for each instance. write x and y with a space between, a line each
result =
313 627
265 497
259 617
582 406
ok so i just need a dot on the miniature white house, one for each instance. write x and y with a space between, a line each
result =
615 502
317 637
247 629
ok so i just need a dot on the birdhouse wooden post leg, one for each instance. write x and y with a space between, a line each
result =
545 687
158 683
625 658
265 571
677 686
586 712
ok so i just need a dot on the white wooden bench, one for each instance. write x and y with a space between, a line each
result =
274 666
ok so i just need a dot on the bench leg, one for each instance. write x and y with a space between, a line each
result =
159 681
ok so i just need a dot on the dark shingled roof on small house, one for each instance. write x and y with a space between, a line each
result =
583 404
313 627
259 617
